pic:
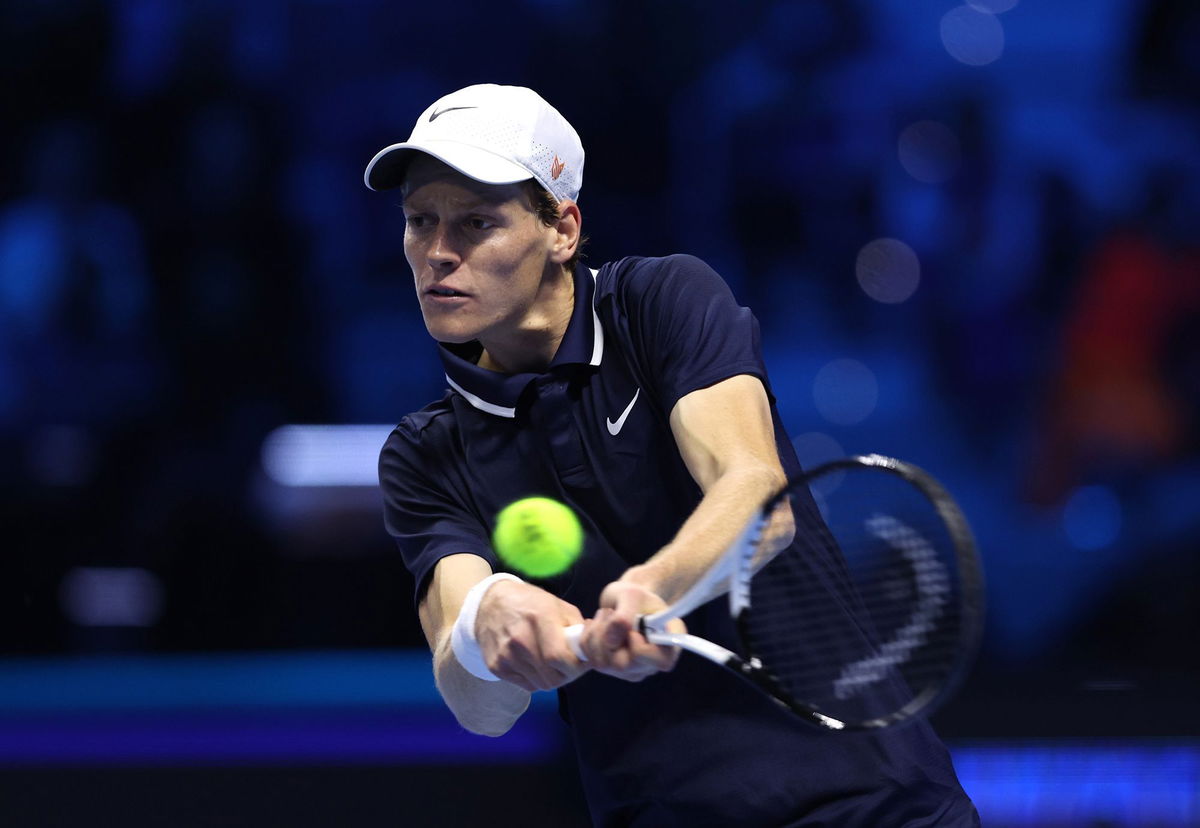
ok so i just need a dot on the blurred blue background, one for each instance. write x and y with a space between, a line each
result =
969 233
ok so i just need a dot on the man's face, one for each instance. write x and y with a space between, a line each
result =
478 253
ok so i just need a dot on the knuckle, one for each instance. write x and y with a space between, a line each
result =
512 678
515 648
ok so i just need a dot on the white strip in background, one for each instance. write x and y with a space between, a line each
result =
324 455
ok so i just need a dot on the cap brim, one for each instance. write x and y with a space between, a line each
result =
386 169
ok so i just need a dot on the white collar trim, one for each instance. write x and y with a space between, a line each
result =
501 411
481 403
598 336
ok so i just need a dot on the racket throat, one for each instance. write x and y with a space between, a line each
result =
752 670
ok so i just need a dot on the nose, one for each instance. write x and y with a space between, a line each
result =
442 254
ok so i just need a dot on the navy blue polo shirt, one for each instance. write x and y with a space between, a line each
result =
694 746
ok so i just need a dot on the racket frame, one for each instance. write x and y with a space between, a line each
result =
733 570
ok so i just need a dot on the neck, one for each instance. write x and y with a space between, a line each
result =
531 348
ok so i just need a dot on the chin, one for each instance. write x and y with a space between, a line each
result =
450 334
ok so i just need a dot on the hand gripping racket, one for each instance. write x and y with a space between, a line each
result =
856 593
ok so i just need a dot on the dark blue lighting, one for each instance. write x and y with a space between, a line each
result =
269 679
380 708
1048 783
187 737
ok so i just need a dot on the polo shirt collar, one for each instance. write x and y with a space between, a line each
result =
496 393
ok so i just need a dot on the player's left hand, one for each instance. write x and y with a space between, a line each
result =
611 640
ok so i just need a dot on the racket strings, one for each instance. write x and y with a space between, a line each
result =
863 617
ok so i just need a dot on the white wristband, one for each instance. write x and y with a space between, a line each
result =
462 637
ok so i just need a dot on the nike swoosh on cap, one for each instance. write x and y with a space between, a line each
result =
615 428
433 116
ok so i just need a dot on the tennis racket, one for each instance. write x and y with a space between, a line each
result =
856 594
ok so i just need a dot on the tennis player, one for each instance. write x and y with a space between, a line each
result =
635 393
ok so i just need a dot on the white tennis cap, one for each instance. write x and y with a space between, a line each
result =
494 134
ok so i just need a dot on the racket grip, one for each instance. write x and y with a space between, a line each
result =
573 633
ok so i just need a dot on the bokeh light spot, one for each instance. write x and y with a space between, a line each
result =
1092 517
95 596
888 270
973 37
845 391
929 151
61 455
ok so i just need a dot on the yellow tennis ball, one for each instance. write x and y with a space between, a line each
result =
538 537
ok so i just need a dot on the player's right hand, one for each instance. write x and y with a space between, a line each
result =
519 628
612 642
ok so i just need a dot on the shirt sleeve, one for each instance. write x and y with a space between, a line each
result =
421 511
689 330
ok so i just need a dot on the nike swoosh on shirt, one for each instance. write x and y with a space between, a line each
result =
615 428
433 116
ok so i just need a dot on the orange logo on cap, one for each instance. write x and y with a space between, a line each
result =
556 168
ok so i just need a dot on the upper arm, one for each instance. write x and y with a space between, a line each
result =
451 580
427 508
687 329
727 431
727 427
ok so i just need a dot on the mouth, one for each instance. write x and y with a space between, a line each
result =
443 292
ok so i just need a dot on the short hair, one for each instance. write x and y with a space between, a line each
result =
545 206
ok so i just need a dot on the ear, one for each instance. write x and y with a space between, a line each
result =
567 232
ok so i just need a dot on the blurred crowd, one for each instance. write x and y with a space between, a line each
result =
188 258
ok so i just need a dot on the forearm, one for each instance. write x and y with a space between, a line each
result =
486 707
732 497
515 628
726 438
729 502
489 708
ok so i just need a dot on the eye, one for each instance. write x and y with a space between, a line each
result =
480 223
417 220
